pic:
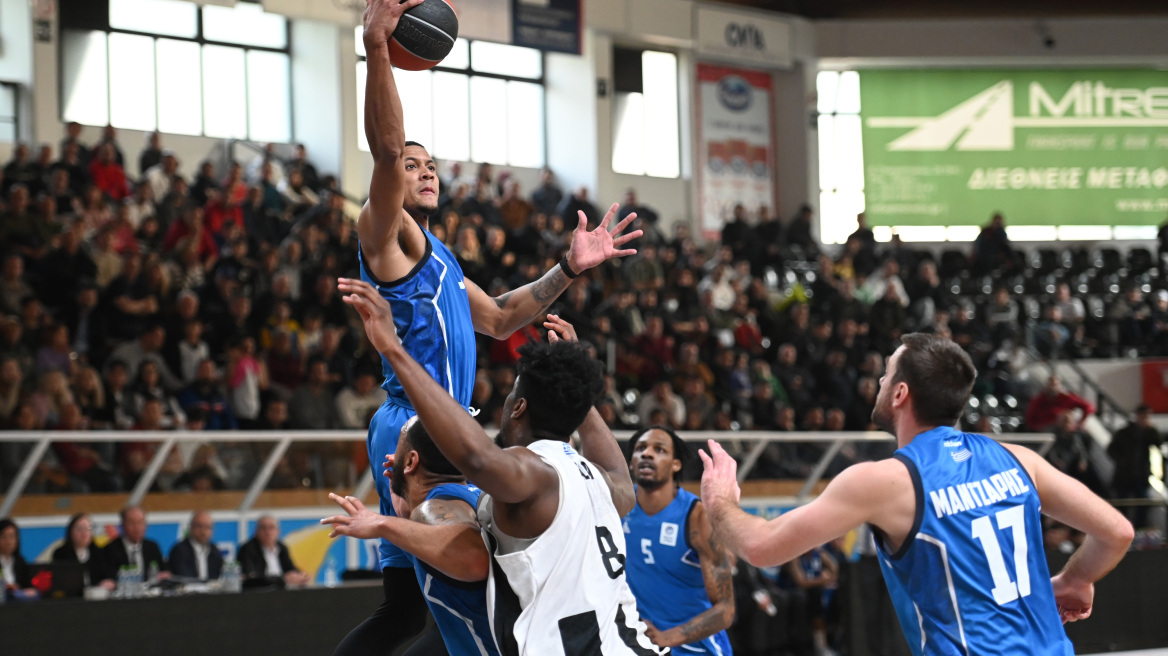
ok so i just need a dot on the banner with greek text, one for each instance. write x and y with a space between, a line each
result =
1045 147
735 149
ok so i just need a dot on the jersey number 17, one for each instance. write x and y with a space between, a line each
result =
1013 518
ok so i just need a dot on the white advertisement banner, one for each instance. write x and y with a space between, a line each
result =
736 152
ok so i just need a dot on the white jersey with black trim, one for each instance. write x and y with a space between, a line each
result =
564 593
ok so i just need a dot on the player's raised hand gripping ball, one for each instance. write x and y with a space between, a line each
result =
424 36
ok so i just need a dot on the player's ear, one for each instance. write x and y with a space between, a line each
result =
519 408
676 466
413 461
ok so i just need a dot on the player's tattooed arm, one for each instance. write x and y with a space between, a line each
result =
442 533
718 576
501 316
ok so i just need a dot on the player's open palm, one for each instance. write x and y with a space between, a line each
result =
720 477
591 247
359 523
382 16
374 311
1074 598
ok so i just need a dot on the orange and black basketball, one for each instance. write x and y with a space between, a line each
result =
424 36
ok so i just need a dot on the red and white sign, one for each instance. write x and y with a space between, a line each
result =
736 154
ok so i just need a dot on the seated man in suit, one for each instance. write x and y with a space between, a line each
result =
265 557
197 557
133 548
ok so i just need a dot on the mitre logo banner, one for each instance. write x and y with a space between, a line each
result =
1047 147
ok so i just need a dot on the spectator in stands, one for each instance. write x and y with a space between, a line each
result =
513 207
60 190
114 413
79 547
109 136
1130 322
245 378
206 394
66 270
547 196
578 202
255 169
1071 453
663 399
148 386
151 155
1046 406
132 549
11 387
1051 334
14 572
275 415
737 233
307 171
992 251
647 218
357 402
197 557
73 163
1130 451
266 558
23 229
161 176
313 403
799 233
13 286
81 459
1070 307
108 175
148 348
1002 317
20 170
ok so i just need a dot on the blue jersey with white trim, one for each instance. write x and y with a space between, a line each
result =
459 608
431 313
972 577
664 573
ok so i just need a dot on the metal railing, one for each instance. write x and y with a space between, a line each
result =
748 458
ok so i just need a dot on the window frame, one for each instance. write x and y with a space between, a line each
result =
470 73
202 42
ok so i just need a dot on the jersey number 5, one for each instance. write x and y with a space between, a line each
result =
1013 518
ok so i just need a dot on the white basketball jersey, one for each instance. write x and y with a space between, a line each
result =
565 594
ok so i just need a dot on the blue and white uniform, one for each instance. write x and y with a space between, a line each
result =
664 572
459 608
431 312
972 578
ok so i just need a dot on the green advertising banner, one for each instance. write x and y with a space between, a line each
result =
1045 147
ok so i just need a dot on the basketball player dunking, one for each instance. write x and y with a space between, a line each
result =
957 518
551 517
436 310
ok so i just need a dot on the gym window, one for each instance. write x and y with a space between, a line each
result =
503 83
180 68
646 139
841 156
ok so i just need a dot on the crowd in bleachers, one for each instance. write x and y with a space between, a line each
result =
186 297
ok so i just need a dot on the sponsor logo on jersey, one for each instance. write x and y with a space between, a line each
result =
669 532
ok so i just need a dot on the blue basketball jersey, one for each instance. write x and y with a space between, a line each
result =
431 313
972 578
664 573
459 608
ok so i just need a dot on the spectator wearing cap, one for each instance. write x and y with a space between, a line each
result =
1052 401
1130 451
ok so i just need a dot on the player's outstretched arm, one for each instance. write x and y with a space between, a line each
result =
384 128
867 492
500 316
442 533
510 476
597 442
718 577
1109 534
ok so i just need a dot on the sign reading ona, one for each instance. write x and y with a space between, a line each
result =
1087 147
743 37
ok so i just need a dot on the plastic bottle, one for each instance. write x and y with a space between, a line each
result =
330 573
